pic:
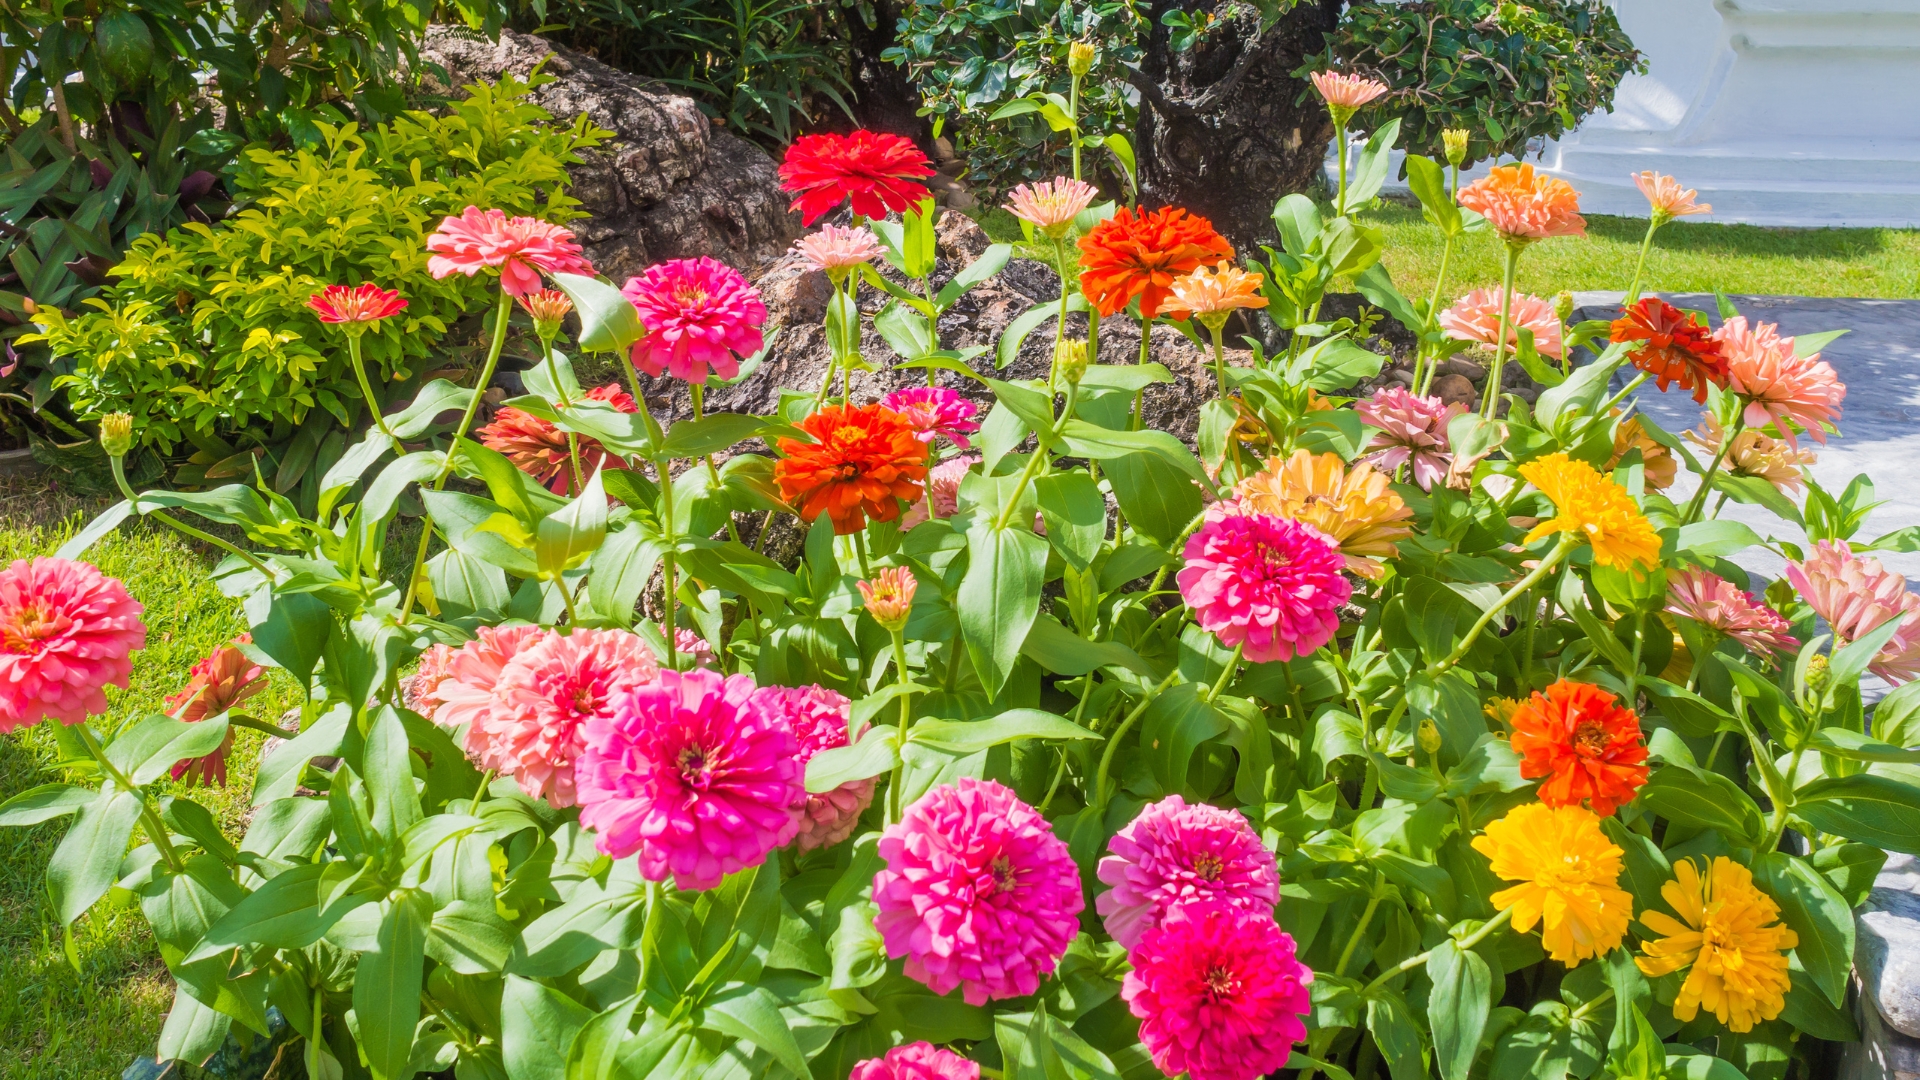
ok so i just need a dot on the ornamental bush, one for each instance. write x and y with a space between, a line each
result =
1415 740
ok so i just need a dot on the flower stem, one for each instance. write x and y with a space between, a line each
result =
903 678
1226 674
1422 372
1219 360
1632 385
1568 541
1359 930
1463 945
366 387
670 581
480 793
1492 392
1146 342
1646 245
1719 458
1113 741
1340 146
156 829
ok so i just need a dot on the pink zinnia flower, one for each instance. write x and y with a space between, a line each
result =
545 697
1175 853
1476 317
216 684
1412 429
65 633
977 892
819 718
355 303
1051 205
520 248
1709 599
836 250
1856 596
1346 91
436 667
464 692
942 496
916 1061
1791 391
695 773
1270 584
1219 993
935 410
698 313
1667 198
692 645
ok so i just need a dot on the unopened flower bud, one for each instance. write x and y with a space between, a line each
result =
1818 674
1563 306
1070 361
116 434
1455 141
1080 56
889 597
548 308
1429 736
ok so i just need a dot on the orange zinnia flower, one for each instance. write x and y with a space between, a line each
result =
1131 255
1677 349
1524 206
864 460
1586 745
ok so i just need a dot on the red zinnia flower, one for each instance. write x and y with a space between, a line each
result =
539 449
877 172
1677 349
863 461
355 303
1131 255
1588 746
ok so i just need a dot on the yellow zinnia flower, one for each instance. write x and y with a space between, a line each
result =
1595 508
1729 932
1569 875
1354 508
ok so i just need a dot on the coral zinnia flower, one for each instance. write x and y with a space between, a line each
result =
1139 254
916 1061
1755 453
1667 198
1659 468
865 459
1569 874
1270 584
1176 853
1346 91
1523 205
1729 934
934 411
520 248
698 313
1594 508
942 496
539 449
1211 297
977 892
225 678
1051 205
1791 391
464 692
889 596
1714 602
877 172
1355 508
1677 349
1856 596
65 633
694 772
547 695
820 720
355 303
1413 429
1587 746
1219 992
1476 317
837 250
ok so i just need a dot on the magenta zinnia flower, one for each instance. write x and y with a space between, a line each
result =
1794 392
1271 584
1476 317
1713 601
544 699
1174 853
977 892
1218 992
916 1061
698 313
1856 596
836 250
819 718
463 692
1412 429
520 248
695 773
934 411
65 633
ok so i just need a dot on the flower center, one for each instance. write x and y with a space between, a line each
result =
1005 877
693 767
25 636
1209 866
1222 982
690 297
1590 738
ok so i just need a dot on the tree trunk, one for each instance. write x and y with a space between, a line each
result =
883 100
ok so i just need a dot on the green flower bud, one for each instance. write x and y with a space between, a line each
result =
1070 361
1563 306
1429 736
1455 140
1080 56
116 434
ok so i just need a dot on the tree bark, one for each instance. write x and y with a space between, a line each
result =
883 99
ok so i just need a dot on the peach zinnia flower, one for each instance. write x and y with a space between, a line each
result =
1211 297
1791 391
1346 91
1655 458
1051 205
1413 429
889 596
1524 205
520 248
1667 198
66 632
1476 317
1355 508
545 698
1714 602
1756 453
1139 254
837 250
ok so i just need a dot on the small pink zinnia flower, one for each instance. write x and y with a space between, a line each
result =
1346 91
942 495
520 248
1174 853
1051 205
1219 993
699 313
689 644
936 410
1856 596
355 303
1790 391
819 718
1476 317
1712 600
916 1061
216 684
1412 429
693 772
545 697
1667 198
977 892
836 250
436 667
1270 584
465 691
65 633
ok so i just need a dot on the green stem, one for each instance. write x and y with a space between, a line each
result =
126 490
860 549
1113 740
1646 245
366 387
1422 372
1633 666
1340 147
1020 486
906 716
1060 771
1066 289
670 580
1492 391
1719 458
156 829
1632 385
1219 360
573 438
1073 116
480 793
1227 673
1568 541
1146 343
1463 945
1359 930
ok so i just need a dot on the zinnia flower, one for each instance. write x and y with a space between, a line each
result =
1211 297
837 250
547 308
698 313
889 596
1523 205
1569 875
225 678
1346 91
696 773
539 449
935 411
1791 391
1139 254
1658 468
916 1061
1667 198
1176 853
1587 746
465 693
1267 583
520 248
1729 934
1413 429
1855 596
1476 317
1755 453
977 892
545 697
820 721
1051 205
694 647
355 303
435 667
877 172
1355 508
1219 992
1676 348
864 460
67 631
942 498
1594 508
1714 602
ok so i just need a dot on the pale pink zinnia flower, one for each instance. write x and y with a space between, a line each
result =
1667 198
1715 602
935 411
1412 429
520 248
1856 596
1175 852
1756 453
695 773
546 696
1271 584
436 667
837 249
464 693
216 684
1051 205
1347 91
977 892
1476 317
1524 205
66 632
916 1061
699 314
819 718
942 495
1219 993
1790 391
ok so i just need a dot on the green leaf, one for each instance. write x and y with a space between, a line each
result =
710 434
596 1048
87 861
538 1026
1157 497
874 754
158 742
1720 536
386 988
991 261
1457 1007
1867 809
1076 516
1436 615
752 1013
1427 179
568 536
1709 800
283 913
999 598
966 737
193 1032
44 803
1174 725
1334 364
1393 1030
1688 712
1091 441
387 763
470 937
1024 324
107 521
1818 915
436 397
608 321
619 569
1062 652
1370 172
1849 744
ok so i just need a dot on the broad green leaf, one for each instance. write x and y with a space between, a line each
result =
538 1026
1457 1007
44 803
107 521
968 736
710 434
1867 809
1082 439
752 1013
193 1031
1076 516
874 754
596 1049
87 861
387 764
386 988
608 321
1060 651
1174 725
1845 743
567 537
1391 1024
157 743
999 598
1158 499
1705 799
1818 916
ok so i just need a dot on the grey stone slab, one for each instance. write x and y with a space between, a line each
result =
1886 952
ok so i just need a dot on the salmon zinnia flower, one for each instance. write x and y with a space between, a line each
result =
1716 603
889 596
876 172
1667 198
1051 205
520 248
1568 876
1523 205
1792 391
864 460
1675 349
354 304
1354 507
1346 91
1729 934
836 251
1476 317
1139 254
216 684
1856 596
1756 453
1212 296
1594 508
1587 746
539 449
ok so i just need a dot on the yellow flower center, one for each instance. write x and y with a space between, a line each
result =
1209 866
